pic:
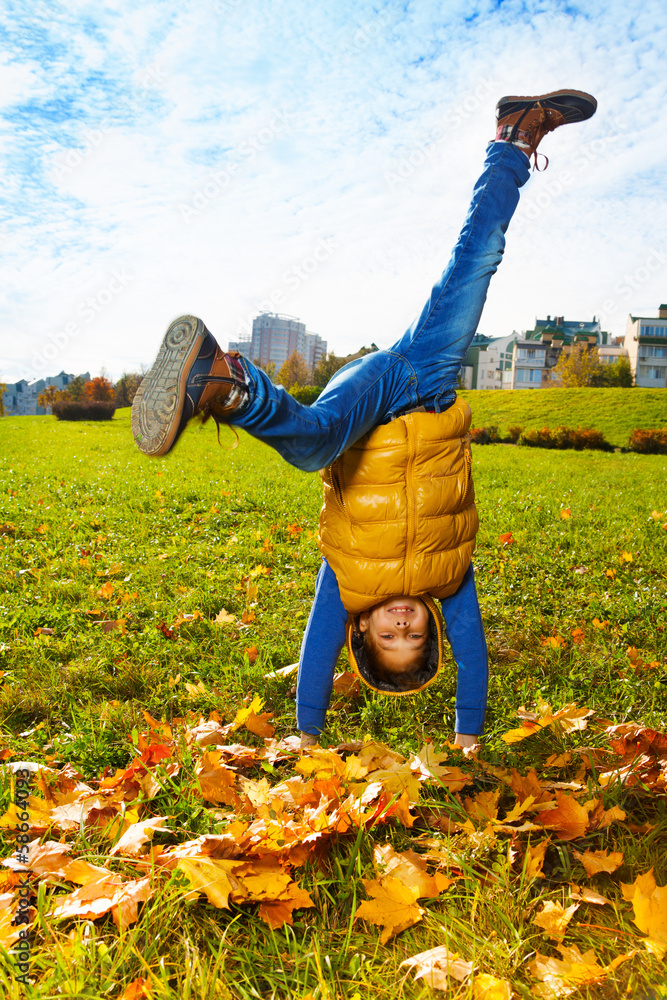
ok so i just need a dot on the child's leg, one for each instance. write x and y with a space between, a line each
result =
423 365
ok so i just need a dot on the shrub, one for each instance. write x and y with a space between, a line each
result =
514 433
306 394
579 438
479 435
649 442
69 409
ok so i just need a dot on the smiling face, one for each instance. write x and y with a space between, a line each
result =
398 631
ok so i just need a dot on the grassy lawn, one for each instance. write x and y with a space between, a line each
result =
615 412
114 569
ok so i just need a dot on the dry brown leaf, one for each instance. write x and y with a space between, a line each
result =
393 906
96 899
568 820
559 977
217 781
428 764
346 683
599 861
587 895
437 965
279 912
553 919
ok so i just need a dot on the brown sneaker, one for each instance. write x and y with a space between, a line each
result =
526 120
191 375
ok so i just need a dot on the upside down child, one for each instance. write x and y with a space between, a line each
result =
398 524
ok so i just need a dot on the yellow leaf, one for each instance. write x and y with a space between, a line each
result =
562 976
393 906
487 987
138 834
224 618
410 869
105 591
586 895
214 877
568 820
553 919
565 513
625 557
649 902
599 861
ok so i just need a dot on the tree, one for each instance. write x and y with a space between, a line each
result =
294 371
76 388
99 389
3 389
126 387
269 368
49 396
619 374
326 368
580 367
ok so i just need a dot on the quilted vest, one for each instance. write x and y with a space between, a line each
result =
399 514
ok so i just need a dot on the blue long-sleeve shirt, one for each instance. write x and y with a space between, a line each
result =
325 637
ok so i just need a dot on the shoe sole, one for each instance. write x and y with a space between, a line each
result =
582 104
158 405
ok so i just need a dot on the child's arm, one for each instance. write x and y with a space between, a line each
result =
465 633
322 642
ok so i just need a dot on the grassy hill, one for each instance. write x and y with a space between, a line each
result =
615 412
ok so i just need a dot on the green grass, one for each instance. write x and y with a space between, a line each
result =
615 412
210 527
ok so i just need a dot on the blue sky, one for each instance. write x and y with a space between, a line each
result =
228 156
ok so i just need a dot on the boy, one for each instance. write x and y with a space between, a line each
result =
375 538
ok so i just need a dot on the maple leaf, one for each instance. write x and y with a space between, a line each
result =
106 591
138 834
346 683
10 932
410 869
437 965
554 641
568 820
534 859
138 989
484 805
427 764
562 976
393 906
217 782
223 617
487 987
577 635
214 877
554 919
279 911
252 653
95 899
599 861
586 895
506 539
649 901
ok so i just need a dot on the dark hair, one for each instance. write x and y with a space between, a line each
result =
407 679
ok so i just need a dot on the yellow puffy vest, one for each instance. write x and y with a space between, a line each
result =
399 514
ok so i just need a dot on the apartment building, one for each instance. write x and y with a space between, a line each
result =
20 398
536 353
276 336
487 360
646 345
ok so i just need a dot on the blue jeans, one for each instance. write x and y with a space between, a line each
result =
421 368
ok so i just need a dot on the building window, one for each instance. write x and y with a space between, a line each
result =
530 354
649 351
528 375
653 331
650 372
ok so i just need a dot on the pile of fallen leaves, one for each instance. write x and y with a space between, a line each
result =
305 804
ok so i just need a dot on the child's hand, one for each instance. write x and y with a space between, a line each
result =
307 740
466 740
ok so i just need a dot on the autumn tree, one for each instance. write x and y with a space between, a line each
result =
50 395
269 367
579 367
326 368
294 371
99 389
619 374
126 387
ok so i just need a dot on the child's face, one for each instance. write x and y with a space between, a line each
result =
398 628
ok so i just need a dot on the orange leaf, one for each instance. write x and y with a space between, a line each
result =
555 641
138 989
569 820
577 635
506 539
346 683
586 895
565 513
252 653
599 861
535 859
105 591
